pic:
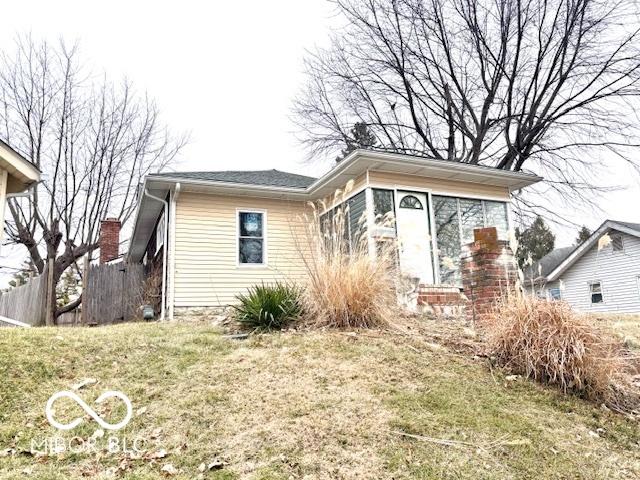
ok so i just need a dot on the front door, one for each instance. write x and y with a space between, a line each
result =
414 241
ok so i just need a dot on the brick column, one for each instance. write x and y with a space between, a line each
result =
488 272
109 242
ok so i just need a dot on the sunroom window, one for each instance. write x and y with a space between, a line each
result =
456 219
251 238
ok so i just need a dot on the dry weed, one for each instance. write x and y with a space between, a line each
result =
549 342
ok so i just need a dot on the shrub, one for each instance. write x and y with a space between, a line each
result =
347 288
269 306
550 343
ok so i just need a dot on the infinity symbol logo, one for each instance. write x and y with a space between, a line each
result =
88 409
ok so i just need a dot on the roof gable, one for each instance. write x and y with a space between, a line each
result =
608 225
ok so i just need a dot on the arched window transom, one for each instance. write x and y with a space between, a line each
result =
410 201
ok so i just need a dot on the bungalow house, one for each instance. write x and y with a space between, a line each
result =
597 276
214 234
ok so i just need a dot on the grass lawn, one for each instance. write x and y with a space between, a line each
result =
314 406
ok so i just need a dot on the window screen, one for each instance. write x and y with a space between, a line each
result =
251 237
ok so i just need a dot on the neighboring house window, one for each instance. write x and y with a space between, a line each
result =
555 294
160 233
251 238
409 201
616 242
595 290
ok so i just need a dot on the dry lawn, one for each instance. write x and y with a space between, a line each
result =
320 405
626 326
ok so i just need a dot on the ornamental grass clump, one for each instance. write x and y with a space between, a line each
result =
348 286
548 342
269 307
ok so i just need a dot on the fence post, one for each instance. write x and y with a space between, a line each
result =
84 306
50 296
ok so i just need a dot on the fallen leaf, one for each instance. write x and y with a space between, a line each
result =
215 465
156 433
84 383
141 411
202 467
99 433
159 454
169 469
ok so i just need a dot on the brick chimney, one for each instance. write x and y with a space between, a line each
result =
109 239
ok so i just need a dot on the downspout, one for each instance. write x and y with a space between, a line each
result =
172 241
164 250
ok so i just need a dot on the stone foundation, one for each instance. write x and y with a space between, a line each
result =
215 315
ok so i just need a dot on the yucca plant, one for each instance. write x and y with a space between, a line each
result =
269 307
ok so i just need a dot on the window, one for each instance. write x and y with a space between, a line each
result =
251 238
496 216
448 236
456 219
617 244
382 204
555 294
595 289
471 217
409 201
160 233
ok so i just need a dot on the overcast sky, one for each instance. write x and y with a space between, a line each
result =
225 71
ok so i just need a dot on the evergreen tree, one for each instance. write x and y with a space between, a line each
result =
360 137
536 241
22 276
583 235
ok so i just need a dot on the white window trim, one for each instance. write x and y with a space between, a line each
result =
589 284
265 260
161 225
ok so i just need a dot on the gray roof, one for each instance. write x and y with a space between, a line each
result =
548 263
632 226
274 178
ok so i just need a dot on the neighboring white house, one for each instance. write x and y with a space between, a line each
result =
598 276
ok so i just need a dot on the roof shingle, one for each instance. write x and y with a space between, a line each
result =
273 178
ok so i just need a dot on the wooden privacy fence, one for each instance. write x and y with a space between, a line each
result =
27 302
113 293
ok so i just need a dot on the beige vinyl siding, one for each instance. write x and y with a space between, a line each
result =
206 268
437 186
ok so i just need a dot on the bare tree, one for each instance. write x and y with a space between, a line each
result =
93 142
514 84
